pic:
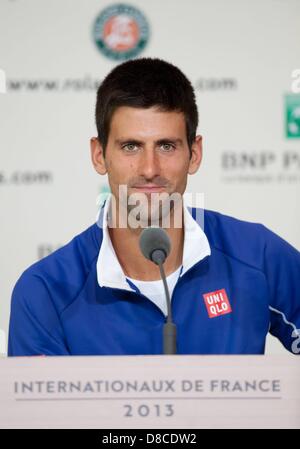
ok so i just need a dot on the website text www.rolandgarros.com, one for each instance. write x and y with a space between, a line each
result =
88 83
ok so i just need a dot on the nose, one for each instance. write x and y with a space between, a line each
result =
149 164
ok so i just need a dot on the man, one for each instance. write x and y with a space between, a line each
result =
230 285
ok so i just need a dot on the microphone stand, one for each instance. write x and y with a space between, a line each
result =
169 331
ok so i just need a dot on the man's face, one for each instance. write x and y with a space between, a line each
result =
147 151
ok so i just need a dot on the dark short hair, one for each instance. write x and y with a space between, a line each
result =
145 83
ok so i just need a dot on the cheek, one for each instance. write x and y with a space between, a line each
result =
178 170
119 171
179 176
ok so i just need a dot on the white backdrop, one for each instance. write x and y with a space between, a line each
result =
239 54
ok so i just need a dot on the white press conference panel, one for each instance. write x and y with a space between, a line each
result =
136 392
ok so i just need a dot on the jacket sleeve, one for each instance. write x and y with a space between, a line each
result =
34 327
282 269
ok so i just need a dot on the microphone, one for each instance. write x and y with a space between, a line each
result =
155 245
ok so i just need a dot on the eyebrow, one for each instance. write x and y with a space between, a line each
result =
157 142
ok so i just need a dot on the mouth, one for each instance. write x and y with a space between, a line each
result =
149 188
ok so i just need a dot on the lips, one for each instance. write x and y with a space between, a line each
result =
149 188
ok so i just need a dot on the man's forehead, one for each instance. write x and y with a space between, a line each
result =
147 122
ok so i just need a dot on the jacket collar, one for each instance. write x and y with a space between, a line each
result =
109 271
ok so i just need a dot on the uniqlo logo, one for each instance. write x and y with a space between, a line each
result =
217 303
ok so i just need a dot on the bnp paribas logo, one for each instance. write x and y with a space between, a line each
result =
121 32
292 116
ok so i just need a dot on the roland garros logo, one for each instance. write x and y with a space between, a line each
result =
121 32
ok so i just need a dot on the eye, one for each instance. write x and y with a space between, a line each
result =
167 147
130 147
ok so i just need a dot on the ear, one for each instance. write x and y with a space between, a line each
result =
196 157
97 156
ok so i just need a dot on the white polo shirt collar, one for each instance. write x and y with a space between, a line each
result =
109 271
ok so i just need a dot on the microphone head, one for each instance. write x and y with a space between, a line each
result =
154 239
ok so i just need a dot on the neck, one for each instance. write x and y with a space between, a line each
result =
126 245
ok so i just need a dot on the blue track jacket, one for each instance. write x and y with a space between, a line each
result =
225 304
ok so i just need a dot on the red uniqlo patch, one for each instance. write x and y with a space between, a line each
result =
217 303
